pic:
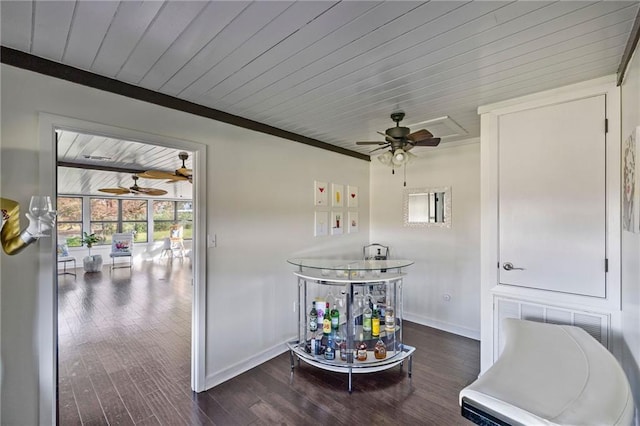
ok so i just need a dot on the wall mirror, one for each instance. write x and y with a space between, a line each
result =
427 207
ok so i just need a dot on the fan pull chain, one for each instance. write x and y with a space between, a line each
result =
405 174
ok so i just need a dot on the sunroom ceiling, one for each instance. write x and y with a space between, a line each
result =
332 71
82 159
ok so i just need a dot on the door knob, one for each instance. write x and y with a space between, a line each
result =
508 266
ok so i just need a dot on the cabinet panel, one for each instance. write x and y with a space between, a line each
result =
552 211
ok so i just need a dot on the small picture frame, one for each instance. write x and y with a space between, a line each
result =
321 193
321 224
337 195
337 222
352 196
353 222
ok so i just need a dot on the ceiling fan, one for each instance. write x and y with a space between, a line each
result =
179 175
135 189
400 140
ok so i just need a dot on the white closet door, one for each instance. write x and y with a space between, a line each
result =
552 197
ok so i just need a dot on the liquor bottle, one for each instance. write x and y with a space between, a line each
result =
366 319
326 321
380 350
389 320
313 319
375 321
314 344
361 353
343 346
330 351
335 318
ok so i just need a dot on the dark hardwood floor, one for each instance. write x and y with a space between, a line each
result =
124 358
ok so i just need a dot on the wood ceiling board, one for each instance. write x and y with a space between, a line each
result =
171 21
52 23
308 36
213 19
261 44
451 76
399 57
423 61
472 92
87 182
91 21
16 24
243 27
492 94
506 63
388 19
129 25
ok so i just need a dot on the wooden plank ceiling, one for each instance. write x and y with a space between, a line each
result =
332 71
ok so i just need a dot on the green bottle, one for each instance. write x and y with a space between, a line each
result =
326 321
335 318
313 319
366 319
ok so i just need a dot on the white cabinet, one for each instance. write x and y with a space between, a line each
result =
552 204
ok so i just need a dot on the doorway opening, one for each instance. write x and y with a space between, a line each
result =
124 289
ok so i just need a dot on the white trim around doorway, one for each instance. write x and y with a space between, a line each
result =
47 303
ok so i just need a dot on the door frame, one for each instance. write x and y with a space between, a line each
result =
489 198
47 323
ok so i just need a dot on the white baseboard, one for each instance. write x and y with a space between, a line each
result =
444 326
247 364
272 352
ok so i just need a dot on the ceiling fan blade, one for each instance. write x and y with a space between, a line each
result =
152 191
420 135
379 148
389 138
117 191
427 142
371 143
157 174
184 172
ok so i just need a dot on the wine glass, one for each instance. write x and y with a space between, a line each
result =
40 206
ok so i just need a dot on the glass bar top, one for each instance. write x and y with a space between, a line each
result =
350 264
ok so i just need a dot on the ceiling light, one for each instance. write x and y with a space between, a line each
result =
386 158
400 157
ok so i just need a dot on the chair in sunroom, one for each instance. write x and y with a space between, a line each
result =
121 246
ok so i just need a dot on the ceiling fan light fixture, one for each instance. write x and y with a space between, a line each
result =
386 158
400 157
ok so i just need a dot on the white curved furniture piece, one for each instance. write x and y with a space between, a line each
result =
550 375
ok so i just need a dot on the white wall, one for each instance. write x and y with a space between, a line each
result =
260 206
447 260
630 100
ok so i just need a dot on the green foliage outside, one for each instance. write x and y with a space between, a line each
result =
104 219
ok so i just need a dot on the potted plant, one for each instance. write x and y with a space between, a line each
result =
91 263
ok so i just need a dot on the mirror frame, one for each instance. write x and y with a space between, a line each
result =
447 207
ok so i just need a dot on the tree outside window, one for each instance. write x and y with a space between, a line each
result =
166 213
69 220
110 215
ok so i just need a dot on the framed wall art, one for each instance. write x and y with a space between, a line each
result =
353 222
337 222
630 188
352 196
321 224
321 193
337 198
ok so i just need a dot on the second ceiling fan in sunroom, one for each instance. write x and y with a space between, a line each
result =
135 189
181 174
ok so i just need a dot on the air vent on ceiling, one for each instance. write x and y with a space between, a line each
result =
97 157
441 127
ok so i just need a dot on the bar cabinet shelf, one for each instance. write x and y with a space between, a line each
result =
350 285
